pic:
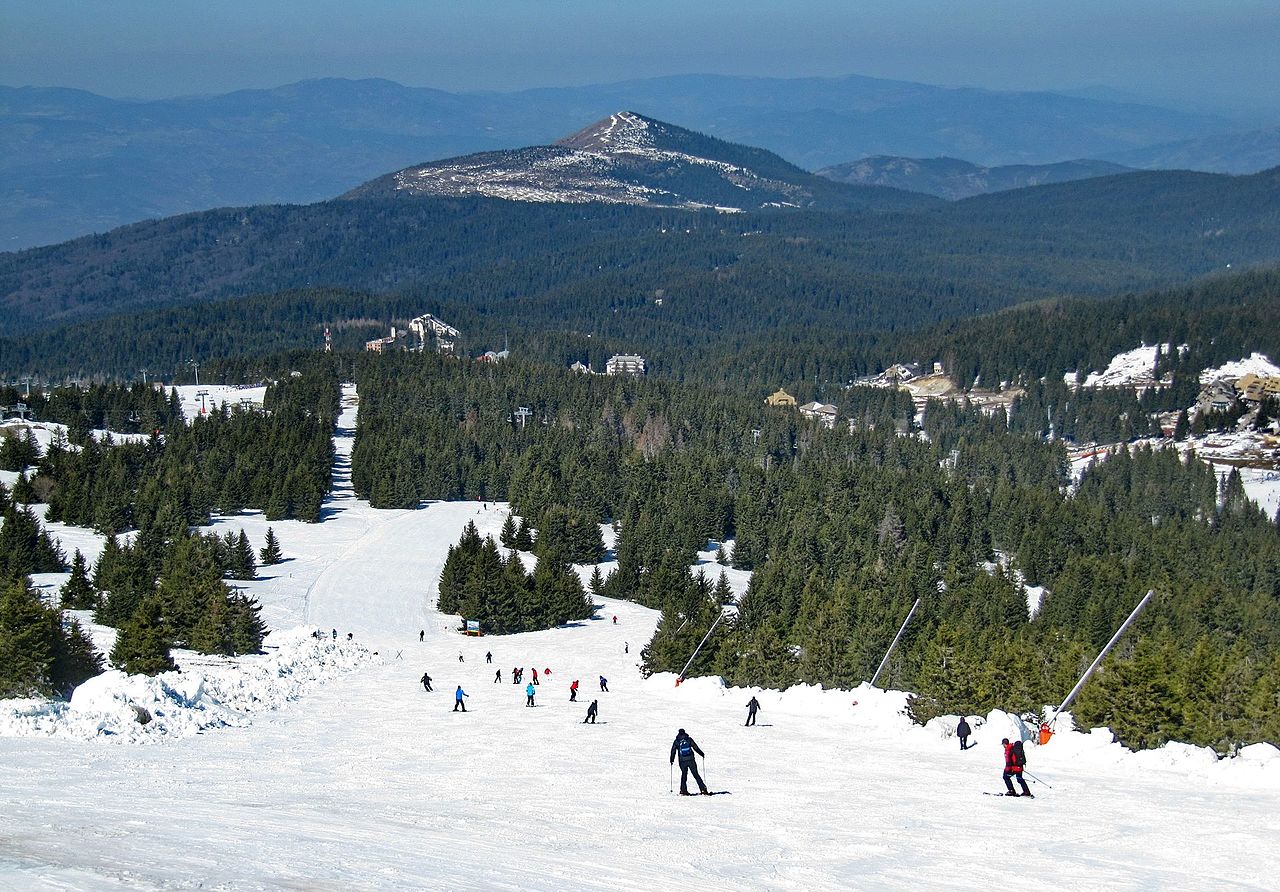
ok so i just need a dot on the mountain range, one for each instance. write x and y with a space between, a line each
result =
952 178
72 162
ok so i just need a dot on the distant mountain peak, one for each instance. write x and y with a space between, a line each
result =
623 131
627 158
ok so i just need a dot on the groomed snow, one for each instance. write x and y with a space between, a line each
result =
1256 363
369 782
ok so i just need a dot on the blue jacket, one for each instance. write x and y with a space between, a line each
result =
460 693
528 690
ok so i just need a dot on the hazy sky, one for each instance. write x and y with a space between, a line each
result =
1206 54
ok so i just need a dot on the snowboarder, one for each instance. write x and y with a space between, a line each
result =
535 676
426 681
963 731
497 676
457 699
460 660
488 658
685 747
604 684
591 712
1014 758
422 635
528 694
573 691
752 705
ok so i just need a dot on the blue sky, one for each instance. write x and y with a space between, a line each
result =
1218 55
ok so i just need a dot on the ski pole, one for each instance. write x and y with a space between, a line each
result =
671 780
1034 778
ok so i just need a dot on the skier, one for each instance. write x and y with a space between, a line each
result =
515 675
685 747
615 620
752 705
535 676
457 699
591 712
488 658
497 676
426 681
350 636
1014 758
460 660
626 647
604 684
963 731
546 672
335 634
573 691
528 693
422 634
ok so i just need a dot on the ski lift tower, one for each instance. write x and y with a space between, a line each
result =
523 414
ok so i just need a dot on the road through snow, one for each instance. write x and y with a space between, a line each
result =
369 782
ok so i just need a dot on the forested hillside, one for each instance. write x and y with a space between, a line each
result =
576 266
846 530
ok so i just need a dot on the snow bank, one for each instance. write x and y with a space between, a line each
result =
220 693
1257 363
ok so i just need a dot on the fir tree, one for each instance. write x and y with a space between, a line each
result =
78 593
270 552
27 642
142 644
508 535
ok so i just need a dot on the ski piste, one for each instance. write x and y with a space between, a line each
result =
528 799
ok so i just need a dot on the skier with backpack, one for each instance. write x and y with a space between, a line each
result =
752 706
1015 758
591 712
685 747
963 731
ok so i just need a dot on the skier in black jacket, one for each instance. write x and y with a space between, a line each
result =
752 705
426 681
685 747
963 731
591 712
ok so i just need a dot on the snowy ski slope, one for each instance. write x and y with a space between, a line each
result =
368 782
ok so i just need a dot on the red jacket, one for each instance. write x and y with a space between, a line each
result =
1010 761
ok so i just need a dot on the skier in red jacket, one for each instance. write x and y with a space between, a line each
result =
573 691
1014 759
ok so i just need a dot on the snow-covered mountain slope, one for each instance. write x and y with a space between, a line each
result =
627 158
369 782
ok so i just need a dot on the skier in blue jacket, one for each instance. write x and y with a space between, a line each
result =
528 693
685 747
457 699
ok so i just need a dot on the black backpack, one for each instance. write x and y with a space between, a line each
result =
1019 754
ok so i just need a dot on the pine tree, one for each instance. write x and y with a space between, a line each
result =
78 593
27 642
75 660
524 537
508 535
270 552
597 581
142 644
247 628
243 564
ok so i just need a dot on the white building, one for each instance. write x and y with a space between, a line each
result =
824 412
625 364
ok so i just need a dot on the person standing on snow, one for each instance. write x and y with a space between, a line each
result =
460 660
457 699
426 681
528 694
422 635
752 705
604 684
685 747
1014 758
488 658
963 731
573 691
591 712
497 676
515 675
535 676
